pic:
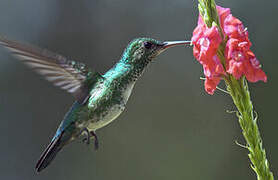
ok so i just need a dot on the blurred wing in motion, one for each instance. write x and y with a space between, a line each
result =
68 75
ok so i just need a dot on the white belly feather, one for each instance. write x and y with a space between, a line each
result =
114 111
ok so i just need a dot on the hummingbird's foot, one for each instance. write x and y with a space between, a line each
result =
87 138
96 139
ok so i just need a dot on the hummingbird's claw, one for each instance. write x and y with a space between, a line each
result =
87 138
96 139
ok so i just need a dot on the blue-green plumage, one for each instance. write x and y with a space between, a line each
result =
99 98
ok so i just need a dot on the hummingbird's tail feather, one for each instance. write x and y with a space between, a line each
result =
51 151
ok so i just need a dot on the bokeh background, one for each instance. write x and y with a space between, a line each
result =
171 129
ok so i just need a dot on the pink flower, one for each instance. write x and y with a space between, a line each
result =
206 42
210 84
223 13
234 28
240 60
213 71
254 72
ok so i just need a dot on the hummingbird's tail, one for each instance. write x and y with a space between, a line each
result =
51 151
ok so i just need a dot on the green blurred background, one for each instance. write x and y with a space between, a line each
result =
171 129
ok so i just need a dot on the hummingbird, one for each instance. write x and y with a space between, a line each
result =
99 98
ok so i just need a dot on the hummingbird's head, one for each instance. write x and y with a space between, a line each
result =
141 51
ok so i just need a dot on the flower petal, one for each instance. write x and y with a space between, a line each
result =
210 84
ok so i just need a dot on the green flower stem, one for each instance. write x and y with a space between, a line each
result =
239 91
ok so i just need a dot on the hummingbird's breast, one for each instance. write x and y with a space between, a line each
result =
107 101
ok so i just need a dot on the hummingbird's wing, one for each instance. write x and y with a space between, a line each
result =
74 77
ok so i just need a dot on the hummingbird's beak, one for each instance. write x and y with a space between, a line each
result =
168 44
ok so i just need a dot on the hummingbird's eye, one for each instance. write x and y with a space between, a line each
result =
148 45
